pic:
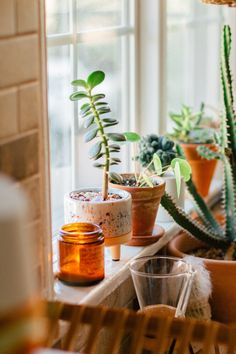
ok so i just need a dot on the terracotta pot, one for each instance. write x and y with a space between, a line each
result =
202 169
113 216
145 203
223 275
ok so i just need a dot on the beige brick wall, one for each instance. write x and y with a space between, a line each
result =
23 117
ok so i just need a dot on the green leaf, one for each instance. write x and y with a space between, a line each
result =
177 177
114 146
116 137
81 83
90 135
97 104
115 159
98 165
98 97
115 178
103 110
132 137
184 166
79 95
95 78
147 180
88 122
84 106
85 109
95 150
157 164
109 120
98 156
110 124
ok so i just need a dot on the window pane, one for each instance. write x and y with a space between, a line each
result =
93 14
60 117
57 16
193 54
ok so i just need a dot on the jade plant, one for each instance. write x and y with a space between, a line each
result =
209 231
92 112
189 126
155 164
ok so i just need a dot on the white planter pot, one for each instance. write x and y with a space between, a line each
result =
113 216
171 189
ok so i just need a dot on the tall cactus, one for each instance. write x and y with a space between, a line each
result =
210 232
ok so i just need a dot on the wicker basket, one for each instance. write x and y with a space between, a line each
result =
231 3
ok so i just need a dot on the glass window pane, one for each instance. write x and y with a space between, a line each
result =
93 14
60 120
193 54
57 16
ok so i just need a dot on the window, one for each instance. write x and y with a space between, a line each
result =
83 36
156 56
193 54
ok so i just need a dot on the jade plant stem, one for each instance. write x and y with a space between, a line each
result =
106 147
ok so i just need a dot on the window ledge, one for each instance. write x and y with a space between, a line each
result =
117 274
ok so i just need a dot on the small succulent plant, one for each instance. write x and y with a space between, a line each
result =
160 145
92 112
155 166
188 126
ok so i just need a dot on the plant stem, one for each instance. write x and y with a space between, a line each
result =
106 147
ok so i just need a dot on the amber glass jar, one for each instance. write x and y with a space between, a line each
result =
81 254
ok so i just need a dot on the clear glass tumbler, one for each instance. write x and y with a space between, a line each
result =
161 280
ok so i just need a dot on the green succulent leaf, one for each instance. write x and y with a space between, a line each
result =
86 114
147 180
98 97
88 122
115 178
184 167
95 78
132 137
90 135
157 164
84 106
95 150
85 109
98 165
98 156
81 83
116 137
98 104
109 120
103 110
115 159
79 95
110 124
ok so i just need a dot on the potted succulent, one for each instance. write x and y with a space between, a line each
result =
216 241
191 133
165 149
146 190
110 209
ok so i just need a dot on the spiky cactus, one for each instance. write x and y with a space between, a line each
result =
210 231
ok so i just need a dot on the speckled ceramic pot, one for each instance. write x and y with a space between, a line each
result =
113 216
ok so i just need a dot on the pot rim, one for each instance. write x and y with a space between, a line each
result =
181 234
125 196
160 179
189 269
